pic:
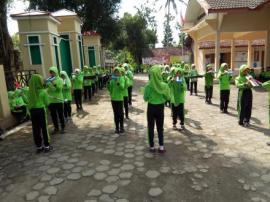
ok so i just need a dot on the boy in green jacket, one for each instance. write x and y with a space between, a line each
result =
87 83
178 89
18 106
54 89
66 95
116 87
156 93
244 104
224 77
77 85
38 102
209 81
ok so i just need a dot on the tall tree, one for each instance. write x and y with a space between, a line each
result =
167 28
97 15
168 36
135 36
6 46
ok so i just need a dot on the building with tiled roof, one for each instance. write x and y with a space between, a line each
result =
228 30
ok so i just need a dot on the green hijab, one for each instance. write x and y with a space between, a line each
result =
156 81
67 79
35 85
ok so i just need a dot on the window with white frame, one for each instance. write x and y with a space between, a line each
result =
34 50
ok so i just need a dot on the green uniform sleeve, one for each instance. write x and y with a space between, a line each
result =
122 82
266 85
146 94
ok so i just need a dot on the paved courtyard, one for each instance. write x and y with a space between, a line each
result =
213 160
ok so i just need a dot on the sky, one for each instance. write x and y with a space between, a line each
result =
125 6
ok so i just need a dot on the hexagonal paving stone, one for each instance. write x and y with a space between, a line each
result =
102 168
39 186
87 173
44 199
122 200
32 195
127 167
67 166
155 192
77 169
53 170
105 162
45 178
94 192
105 198
152 174
112 179
74 176
114 171
56 181
51 190
100 176
125 175
110 189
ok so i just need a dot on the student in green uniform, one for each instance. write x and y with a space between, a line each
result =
87 83
244 104
266 85
156 93
178 89
116 87
55 92
209 81
66 95
77 85
95 73
224 77
18 106
193 79
125 91
38 102
129 74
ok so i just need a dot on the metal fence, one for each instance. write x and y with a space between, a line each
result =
18 78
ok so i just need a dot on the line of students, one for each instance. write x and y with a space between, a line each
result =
54 95
171 85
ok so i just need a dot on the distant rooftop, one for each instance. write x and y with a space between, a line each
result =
31 13
214 5
63 12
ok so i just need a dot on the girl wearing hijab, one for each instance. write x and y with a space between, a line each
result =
77 84
54 89
156 93
224 84
38 102
116 86
178 89
244 103
125 91
67 95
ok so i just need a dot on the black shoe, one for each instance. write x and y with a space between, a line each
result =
127 117
117 131
210 102
39 150
241 124
122 130
152 149
48 149
174 127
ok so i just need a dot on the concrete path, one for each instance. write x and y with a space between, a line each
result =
213 160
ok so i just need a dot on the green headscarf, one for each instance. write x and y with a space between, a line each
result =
67 79
156 81
35 85
55 70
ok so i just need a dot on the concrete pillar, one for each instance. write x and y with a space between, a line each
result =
217 51
4 104
232 54
267 50
196 53
249 59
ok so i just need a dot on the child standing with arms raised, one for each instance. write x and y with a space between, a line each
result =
178 89
156 93
116 87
